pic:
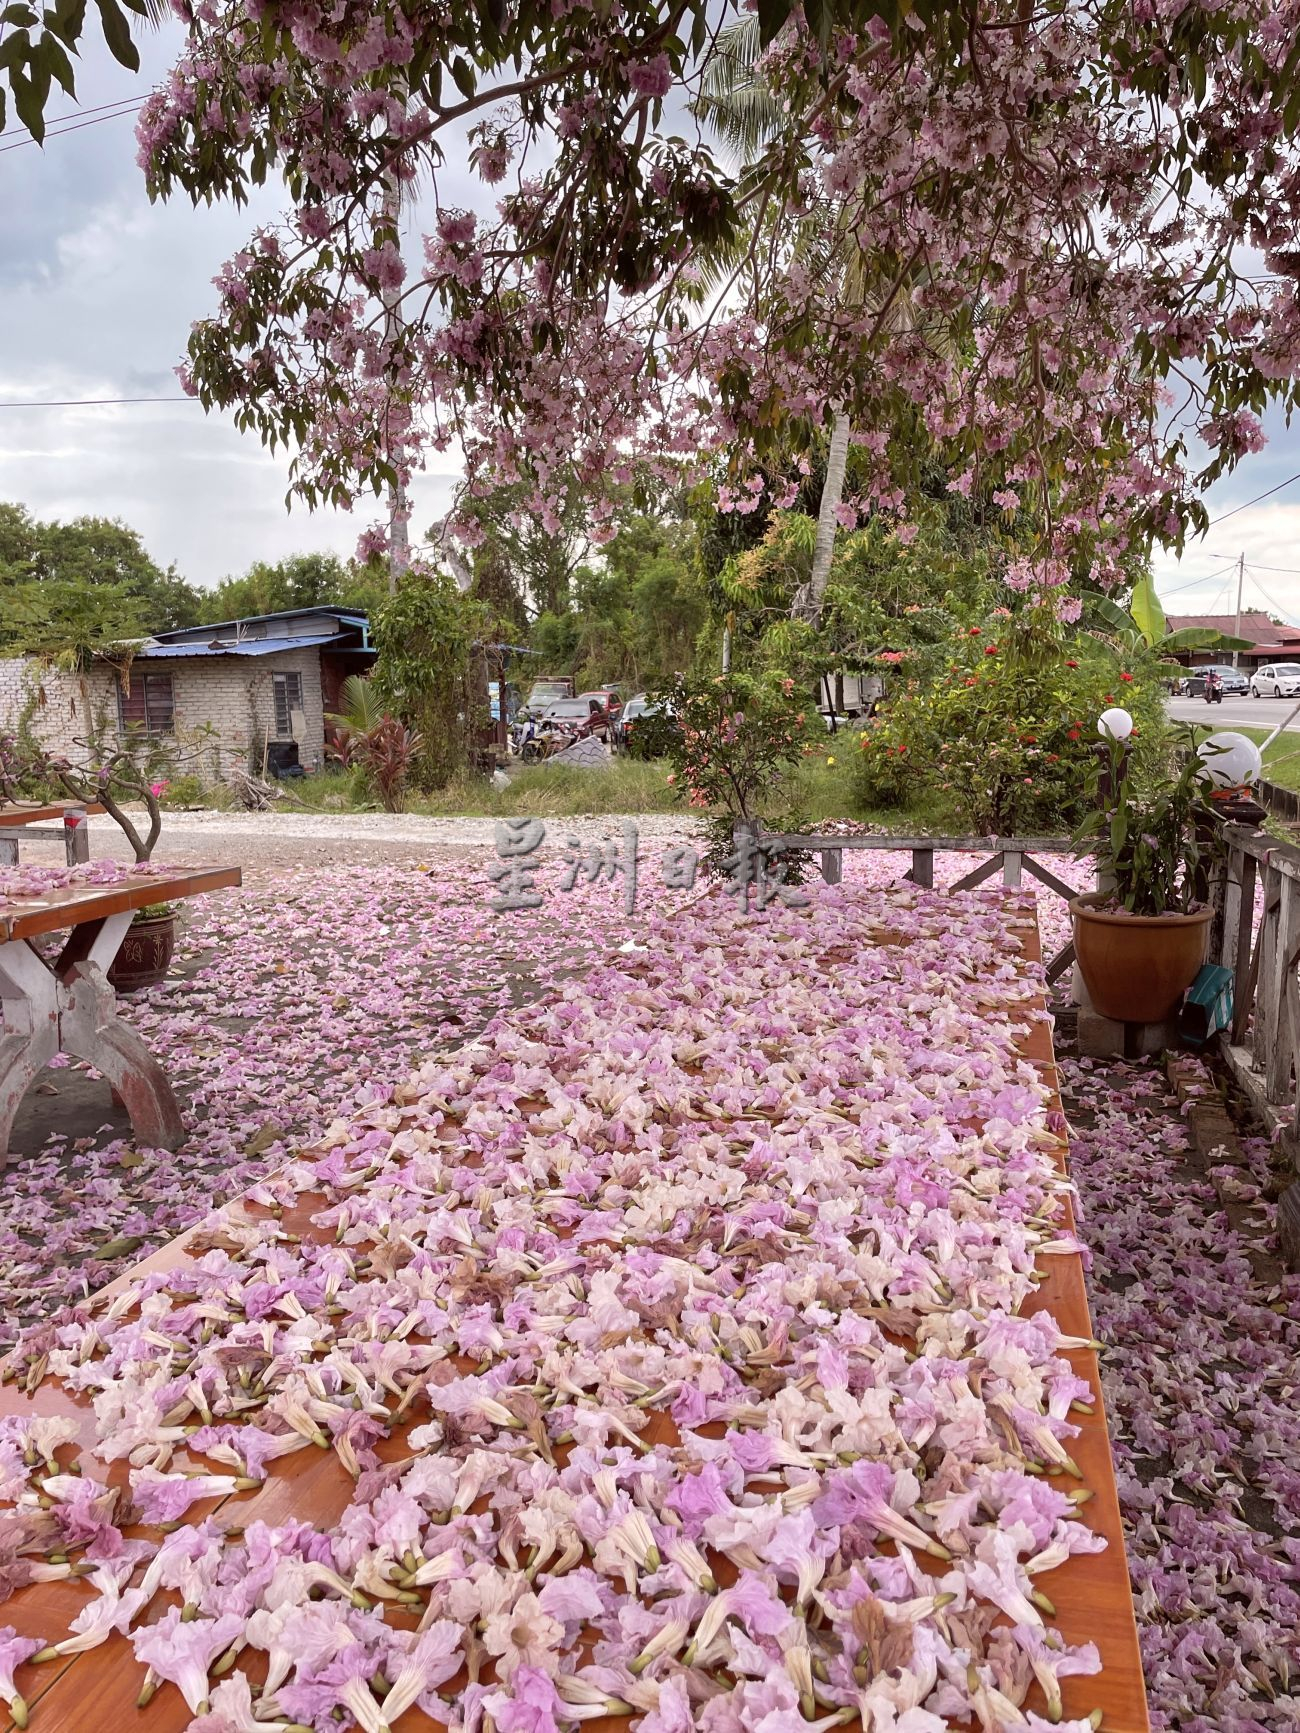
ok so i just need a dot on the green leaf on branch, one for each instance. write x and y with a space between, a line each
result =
27 104
1148 615
117 34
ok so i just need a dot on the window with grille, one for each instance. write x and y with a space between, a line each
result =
288 698
147 704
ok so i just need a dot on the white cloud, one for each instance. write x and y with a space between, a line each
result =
98 290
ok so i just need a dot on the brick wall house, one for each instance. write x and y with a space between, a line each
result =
239 684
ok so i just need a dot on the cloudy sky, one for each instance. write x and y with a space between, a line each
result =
98 289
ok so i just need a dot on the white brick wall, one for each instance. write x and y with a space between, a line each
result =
231 694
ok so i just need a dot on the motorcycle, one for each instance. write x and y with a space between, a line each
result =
535 739
1213 693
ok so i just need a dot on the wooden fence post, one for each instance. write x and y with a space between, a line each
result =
1242 974
922 872
1268 974
76 835
832 860
1281 1049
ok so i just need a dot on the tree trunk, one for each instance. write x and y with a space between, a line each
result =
808 602
399 538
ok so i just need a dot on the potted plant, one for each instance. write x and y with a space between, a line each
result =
109 776
1141 939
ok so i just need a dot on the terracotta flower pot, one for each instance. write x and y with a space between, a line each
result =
145 954
1137 967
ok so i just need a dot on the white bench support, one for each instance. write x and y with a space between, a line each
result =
69 1007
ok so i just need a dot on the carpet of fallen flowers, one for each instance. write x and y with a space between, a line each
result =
294 1003
1201 1378
686 1288
530 1312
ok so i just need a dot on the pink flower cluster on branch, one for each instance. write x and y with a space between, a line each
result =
1020 238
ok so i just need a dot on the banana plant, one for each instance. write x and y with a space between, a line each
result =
1143 626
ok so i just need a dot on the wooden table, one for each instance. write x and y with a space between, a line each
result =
68 1006
15 819
95 1692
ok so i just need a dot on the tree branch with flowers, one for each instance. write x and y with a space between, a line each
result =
1066 220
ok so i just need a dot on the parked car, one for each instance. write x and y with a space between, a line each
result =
645 726
549 689
608 696
583 716
1277 680
1231 680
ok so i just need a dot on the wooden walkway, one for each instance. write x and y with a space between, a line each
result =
97 1690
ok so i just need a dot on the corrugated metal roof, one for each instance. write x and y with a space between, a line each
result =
351 615
1254 625
245 647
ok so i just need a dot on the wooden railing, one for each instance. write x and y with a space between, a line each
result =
74 830
1012 855
1256 934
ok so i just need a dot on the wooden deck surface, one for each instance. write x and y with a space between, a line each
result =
97 1690
28 917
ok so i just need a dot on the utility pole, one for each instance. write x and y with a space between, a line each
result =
1236 630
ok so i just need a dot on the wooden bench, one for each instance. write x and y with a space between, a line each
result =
68 1006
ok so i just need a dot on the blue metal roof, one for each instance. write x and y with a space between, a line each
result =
244 647
350 615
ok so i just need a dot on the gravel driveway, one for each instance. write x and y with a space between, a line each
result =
275 840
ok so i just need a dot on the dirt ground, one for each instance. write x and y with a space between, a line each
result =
263 842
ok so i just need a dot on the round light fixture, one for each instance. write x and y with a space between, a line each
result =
1230 760
1115 724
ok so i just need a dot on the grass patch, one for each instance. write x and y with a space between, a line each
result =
557 791
818 788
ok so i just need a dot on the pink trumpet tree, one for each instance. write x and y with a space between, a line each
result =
1051 243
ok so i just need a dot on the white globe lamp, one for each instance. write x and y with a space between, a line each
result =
1230 760
1115 724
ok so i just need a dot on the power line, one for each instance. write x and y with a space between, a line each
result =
93 402
1206 578
1258 497
1277 606
25 143
1292 571
100 108
1221 594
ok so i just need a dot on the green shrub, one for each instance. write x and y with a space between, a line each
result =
1008 730
741 735
653 735
180 792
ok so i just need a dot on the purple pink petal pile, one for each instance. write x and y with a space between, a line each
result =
671 1338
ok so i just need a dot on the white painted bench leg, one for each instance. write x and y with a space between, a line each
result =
30 1039
72 1009
92 1030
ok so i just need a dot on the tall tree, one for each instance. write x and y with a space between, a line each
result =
87 564
298 581
1068 196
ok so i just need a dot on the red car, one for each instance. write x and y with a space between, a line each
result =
608 698
585 715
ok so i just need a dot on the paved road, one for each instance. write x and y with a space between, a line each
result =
1235 712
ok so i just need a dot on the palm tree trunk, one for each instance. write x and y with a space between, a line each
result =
808 603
